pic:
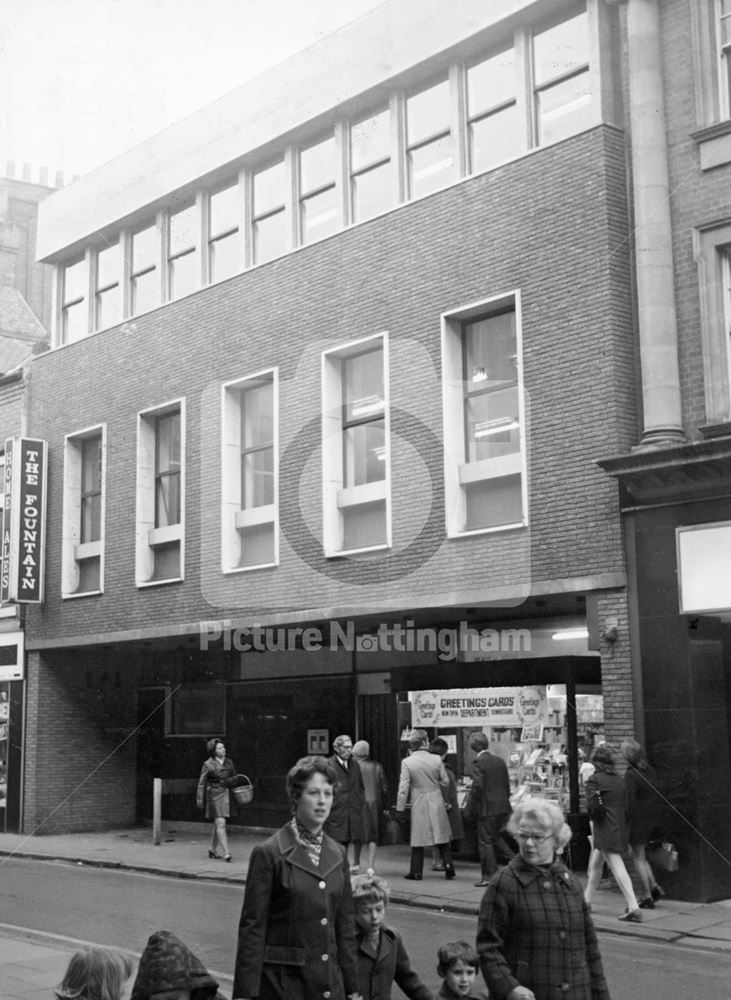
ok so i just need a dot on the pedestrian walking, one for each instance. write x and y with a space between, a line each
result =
95 973
490 802
535 935
375 797
424 779
606 802
440 747
458 966
296 936
640 782
213 794
345 823
169 970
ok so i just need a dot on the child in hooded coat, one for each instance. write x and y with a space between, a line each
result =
167 964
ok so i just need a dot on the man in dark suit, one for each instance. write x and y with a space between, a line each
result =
345 823
491 797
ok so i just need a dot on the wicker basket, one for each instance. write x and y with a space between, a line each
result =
244 792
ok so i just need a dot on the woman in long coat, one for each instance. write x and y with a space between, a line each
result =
424 777
609 831
375 794
535 936
213 794
297 928
640 782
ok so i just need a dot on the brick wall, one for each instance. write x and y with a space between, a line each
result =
552 225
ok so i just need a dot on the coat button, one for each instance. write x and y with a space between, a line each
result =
565 987
325 957
322 885
546 885
562 935
327 994
323 921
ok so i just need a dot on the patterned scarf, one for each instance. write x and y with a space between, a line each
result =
312 842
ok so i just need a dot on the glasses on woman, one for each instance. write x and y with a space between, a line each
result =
537 838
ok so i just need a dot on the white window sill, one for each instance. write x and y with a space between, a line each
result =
337 554
81 593
229 570
469 532
254 516
163 536
158 583
491 468
353 496
87 550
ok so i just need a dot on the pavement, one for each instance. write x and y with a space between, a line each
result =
33 963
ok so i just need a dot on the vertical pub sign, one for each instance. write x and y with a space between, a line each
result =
22 554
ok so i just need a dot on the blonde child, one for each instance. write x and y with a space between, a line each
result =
382 958
95 974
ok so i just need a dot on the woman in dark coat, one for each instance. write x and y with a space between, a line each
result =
535 936
217 771
640 782
609 830
297 928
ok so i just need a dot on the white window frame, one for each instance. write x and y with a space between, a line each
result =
233 517
335 497
100 289
712 248
210 239
72 549
147 536
457 470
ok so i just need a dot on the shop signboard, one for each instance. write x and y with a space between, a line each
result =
12 660
24 521
504 706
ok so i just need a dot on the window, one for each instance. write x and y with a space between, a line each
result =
183 263
224 241
318 194
83 513
372 177
74 312
108 298
355 448
724 41
160 494
563 100
429 146
145 285
713 254
249 521
494 126
484 461
270 236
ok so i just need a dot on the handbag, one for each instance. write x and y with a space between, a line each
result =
596 808
242 790
663 856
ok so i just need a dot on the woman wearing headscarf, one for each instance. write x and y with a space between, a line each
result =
535 936
375 789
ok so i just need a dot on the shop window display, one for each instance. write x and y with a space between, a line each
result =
4 716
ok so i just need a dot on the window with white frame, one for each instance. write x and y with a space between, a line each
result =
183 262
249 521
723 21
83 513
108 292
270 218
356 472
372 180
225 256
483 418
561 79
144 275
713 256
318 190
160 494
74 302
495 129
430 153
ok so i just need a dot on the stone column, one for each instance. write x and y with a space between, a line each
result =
657 321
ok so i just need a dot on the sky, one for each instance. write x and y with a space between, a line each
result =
83 80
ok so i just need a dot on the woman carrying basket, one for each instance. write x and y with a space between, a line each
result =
217 773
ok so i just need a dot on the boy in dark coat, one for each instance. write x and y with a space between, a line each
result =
382 958
459 965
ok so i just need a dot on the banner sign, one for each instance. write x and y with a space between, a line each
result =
24 521
505 706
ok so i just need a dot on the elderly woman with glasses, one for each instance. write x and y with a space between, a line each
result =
535 936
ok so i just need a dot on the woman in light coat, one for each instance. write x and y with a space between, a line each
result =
423 776
213 795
